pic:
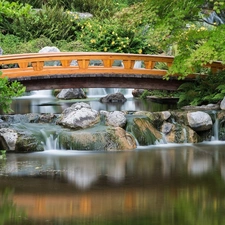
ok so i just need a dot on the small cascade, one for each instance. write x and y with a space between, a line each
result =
185 135
215 136
215 18
51 141
101 92
96 92
40 94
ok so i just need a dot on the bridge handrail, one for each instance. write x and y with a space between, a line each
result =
33 64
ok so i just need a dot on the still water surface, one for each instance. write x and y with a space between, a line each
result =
160 185
156 185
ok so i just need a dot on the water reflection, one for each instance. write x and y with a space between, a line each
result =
45 102
159 185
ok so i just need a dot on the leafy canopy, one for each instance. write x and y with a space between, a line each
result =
191 30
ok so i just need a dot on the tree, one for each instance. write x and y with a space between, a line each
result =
191 30
9 90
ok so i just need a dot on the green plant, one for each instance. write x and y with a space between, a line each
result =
9 90
2 154
52 22
113 36
10 43
72 46
159 94
10 12
210 89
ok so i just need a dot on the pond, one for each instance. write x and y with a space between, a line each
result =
160 185
45 102
167 184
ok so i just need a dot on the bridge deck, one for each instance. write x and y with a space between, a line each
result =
79 69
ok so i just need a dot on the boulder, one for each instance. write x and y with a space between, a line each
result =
222 104
115 97
71 93
79 116
156 118
115 119
199 121
48 49
19 141
177 133
109 139
142 129
138 92
8 138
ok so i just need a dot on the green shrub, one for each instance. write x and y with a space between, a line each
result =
11 12
53 23
9 90
10 43
34 45
113 36
73 46
203 91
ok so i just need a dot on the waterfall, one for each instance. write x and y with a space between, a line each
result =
101 92
185 135
215 136
51 141
215 18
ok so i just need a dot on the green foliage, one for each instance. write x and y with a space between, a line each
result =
9 90
9 213
184 24
2 154
34 45
159 94
111 36
10 43
99 8
72 46
11 12
53 23
210 89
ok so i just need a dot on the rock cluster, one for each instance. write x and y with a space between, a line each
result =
82 128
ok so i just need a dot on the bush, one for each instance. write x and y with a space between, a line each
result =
73 46
203 91
52 23
113 36
10 43
9 90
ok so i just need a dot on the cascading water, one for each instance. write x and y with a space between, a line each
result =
51 141
215 136
215 18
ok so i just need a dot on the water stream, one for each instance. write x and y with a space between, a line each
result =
164 184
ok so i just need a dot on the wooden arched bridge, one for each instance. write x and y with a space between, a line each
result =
90 70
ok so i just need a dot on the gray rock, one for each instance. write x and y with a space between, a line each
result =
222 104
71 93
202 107
79 116
166 127
48 49
8 139
165 115
138 92
115 97
109 139
199 121
115 119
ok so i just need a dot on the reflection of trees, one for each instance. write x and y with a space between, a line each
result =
9 213
194 207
